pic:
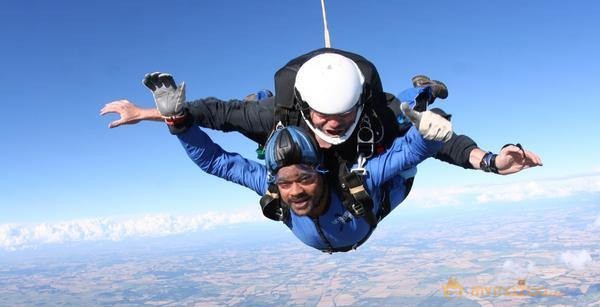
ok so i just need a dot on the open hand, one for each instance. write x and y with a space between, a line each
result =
512 159
129 113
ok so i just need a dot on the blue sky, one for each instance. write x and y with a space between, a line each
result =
517 71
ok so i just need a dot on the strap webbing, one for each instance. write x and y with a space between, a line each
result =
354 196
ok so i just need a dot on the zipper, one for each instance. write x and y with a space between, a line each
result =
329 248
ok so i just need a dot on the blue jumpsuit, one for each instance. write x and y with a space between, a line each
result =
336 228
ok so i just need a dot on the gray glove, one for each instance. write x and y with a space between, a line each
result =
169 98
430 125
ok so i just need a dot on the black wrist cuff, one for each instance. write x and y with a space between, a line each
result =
488 163
181 123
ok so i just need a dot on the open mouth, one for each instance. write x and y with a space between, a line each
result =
335 132
300 204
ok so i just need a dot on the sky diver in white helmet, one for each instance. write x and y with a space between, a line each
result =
331 85
294 174
361 122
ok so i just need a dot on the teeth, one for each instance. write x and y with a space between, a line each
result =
299 203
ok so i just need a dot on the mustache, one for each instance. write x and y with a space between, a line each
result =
299 198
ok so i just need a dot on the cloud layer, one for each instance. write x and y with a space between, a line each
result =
512 192
519 268
19 236
576 260
596 224
15 236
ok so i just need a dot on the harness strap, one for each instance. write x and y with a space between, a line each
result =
354 196
384 210
386 207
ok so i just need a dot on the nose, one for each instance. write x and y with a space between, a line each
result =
335 122
296 189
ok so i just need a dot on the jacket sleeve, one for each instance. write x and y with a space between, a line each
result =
253 119
457 151
212 159
406 152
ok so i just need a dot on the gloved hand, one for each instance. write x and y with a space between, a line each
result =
169 98
431 126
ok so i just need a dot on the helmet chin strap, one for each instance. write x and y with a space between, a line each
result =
335 140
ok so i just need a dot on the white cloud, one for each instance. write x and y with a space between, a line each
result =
14 236
519 268
576 260
511 192
596 224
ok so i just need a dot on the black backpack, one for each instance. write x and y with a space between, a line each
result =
286 105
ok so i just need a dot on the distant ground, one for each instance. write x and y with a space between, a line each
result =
522 254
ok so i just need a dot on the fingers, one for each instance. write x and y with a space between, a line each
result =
113 106
412 115
167 80
116 123
156 80
530 159
526 154
439 134
148 81
512 149
431 133
533 158
434 127
121 107
448 136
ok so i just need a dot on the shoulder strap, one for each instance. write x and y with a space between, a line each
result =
353 194
386 207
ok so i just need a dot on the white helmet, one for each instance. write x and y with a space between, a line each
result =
330 83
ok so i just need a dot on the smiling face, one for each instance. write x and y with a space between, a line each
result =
333 125
301 188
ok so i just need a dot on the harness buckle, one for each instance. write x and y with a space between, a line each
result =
360 169
365 139
358 208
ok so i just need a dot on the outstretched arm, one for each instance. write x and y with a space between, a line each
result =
212 159
406 152
253 119
129 113
510 160
462 151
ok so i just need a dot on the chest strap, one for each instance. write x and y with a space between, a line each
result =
353 194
